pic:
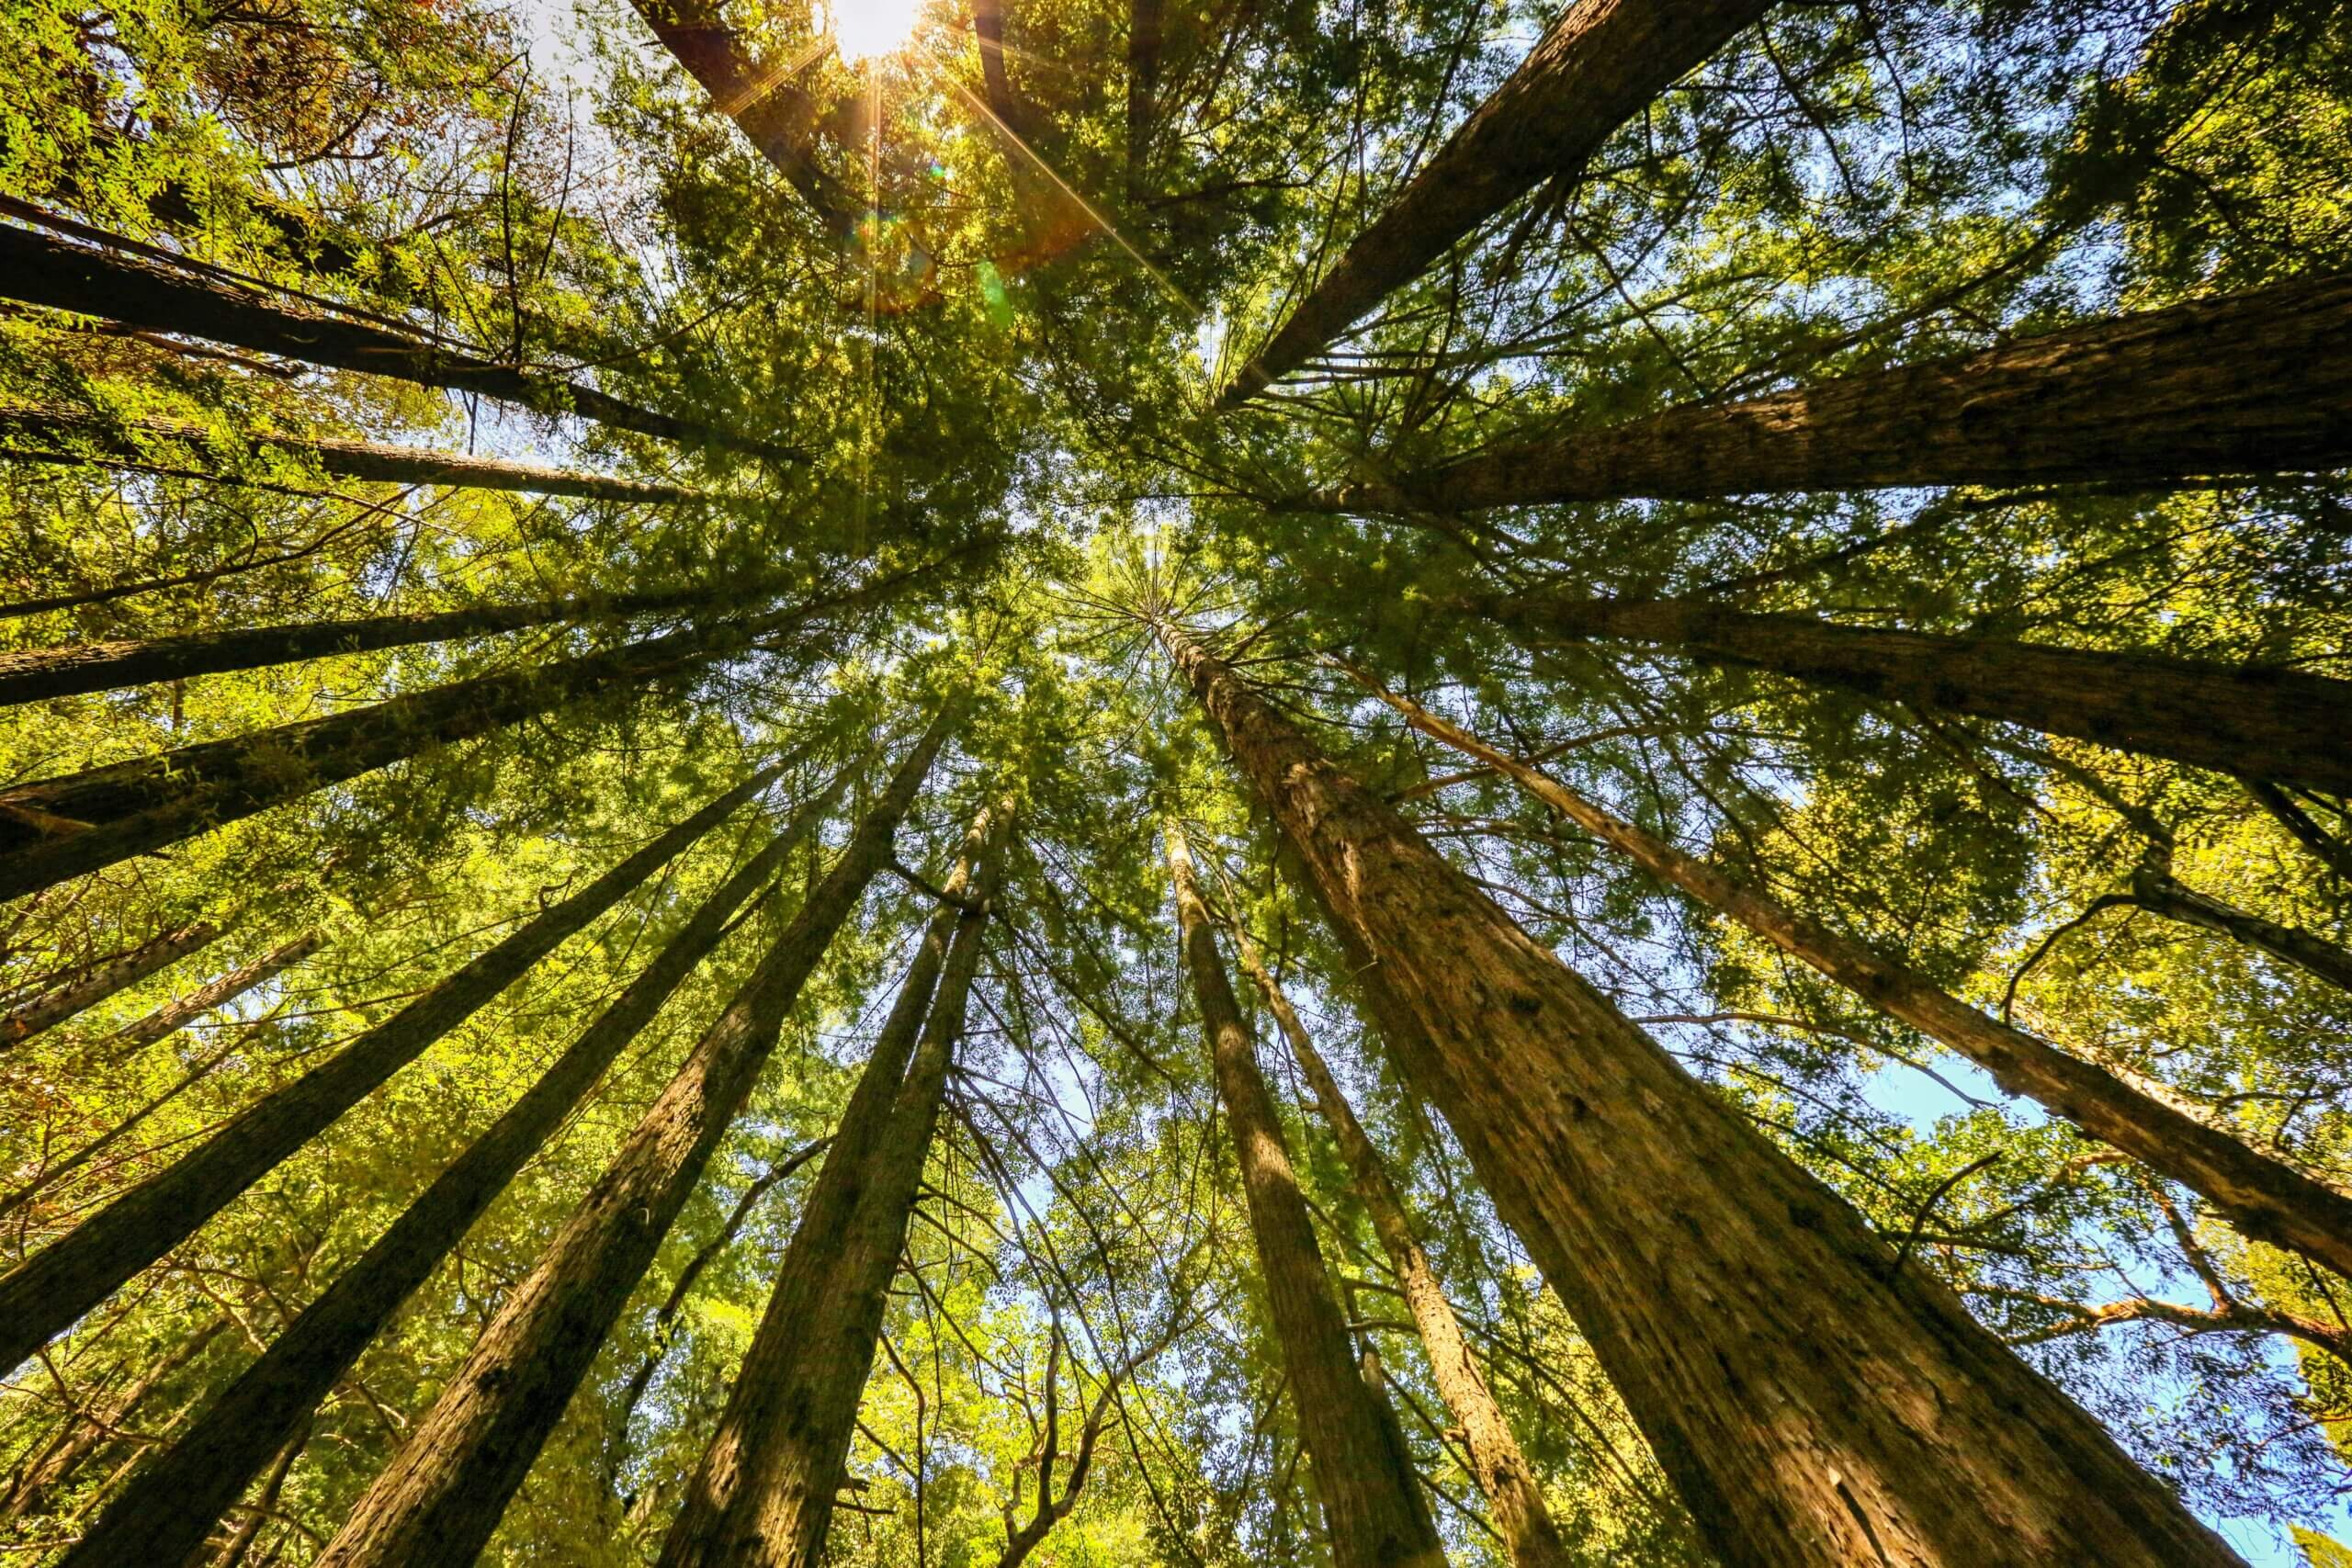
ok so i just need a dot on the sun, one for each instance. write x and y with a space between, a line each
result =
864 29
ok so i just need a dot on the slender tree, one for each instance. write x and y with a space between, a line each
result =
42 1296
1361 1470
762 1495
1813 1401
441 1497
42 269
1601 64
60 827
2264 1198
78 993
2255 720
2239 384
92 439
164 1511
181 1012
85 1433
2156 890
1498 1465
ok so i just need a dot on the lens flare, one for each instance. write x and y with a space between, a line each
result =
863 30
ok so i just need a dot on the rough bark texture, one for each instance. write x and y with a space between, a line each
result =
42 269
778 118
42 1296
103 979
56 829
1371 1494
82 1436
2259 722
181 1012
34 675
2155 891
440 1498
2264 1199
762 1495
1601 64
1813 1403
2254 383
375 460
1514 1497
164 1511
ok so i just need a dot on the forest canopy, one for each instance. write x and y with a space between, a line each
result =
964 783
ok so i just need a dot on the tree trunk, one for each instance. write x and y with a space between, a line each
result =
36 674
95 984
44 1295
1513 1494
85 1436
164 1511
42 269
2252 383
776 116
440 1498
1602 62
181 1012
762 1495
1370 1491
125 443
2153 889
1813 1402
2250 720
2263 1198
258 1513
56 829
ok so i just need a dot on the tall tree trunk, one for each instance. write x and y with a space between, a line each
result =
1497 1463
92 439
762 1495
1602 62
440 1498
103 979
84 1437
2154 890
773 112
2252 383
1814 1401
1146 37
164 1511
181 1012
1012 110
43 1296
35 674
1363 1472
2263 1198
2255 721
60 827
42 269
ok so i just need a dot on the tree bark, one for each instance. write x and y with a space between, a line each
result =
45 1294
2251 720
36 674
762 1495
181 1012
2153 889
125 443
170 1503
60 828
84 1437
1498 1465
773 112
41 269
1370 1491
2252 383
440 1498
2264 1198
95 984
1814 1401
1602 62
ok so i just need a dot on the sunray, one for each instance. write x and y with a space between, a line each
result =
979 107
761 85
